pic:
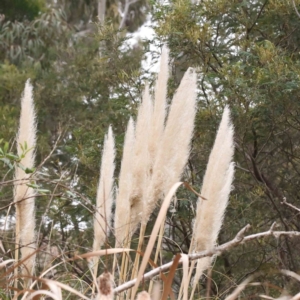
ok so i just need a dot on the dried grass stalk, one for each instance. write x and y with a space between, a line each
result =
160 218
156 292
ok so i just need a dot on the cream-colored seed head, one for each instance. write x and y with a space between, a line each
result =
160 103
216 189
174 148
102 218
122 212
105 283
24 195
142 162
143 296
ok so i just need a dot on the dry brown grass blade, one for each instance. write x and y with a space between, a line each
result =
291 274
18 264
42 287
40 277
55 287
160 218
159 242
1 245
240 288
40 293
168 286
101 253
208 282
296 297
190 188
138 254
60 285
4 263
154 265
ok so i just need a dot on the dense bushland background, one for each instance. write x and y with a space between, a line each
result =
247 54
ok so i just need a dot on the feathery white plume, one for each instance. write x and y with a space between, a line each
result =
216 189
122 213
142 162
160 102
143 296
174 149
104 199
149 132
179 130
24 195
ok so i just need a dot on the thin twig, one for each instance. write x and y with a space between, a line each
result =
51 152
289 204
25 198
296 10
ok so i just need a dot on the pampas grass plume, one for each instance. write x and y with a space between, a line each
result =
142 162
122 212
179 130
143 296
104 199
105 282
216 188
160 102
24 195
174 148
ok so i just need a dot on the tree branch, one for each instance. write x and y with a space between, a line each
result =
239 238
125 12
289 204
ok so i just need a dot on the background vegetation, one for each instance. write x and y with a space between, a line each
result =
85 78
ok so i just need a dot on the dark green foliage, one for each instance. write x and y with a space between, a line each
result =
247 55
20 10
78 92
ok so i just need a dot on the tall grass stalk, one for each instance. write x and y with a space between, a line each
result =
122 211
160 151
24 196
216 189
161 215
142 163
154 133
102 218
158 125
141 167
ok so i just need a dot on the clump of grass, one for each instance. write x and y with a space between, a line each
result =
156 150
